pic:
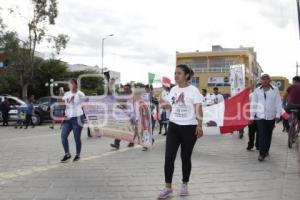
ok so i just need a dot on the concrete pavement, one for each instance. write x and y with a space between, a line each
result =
222 169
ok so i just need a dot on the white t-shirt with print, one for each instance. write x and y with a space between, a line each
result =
217 98
73 107
207 100
183 102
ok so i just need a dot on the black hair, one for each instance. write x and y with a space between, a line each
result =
73 80
204 90
187 70
149 87
107 75
216 88
30 96
127 85
296 79
257 85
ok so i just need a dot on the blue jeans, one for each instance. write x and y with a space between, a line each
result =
153 123
75 124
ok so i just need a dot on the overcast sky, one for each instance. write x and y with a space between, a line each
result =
148 33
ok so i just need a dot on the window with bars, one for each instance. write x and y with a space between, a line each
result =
195 81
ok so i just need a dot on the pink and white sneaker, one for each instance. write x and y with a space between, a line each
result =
184 190
165 193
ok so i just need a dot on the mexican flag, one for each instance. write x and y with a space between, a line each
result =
230 115
154 78
166 82
157 79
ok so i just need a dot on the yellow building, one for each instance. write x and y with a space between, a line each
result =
212 68
281 82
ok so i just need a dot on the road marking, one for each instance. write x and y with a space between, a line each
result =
9 176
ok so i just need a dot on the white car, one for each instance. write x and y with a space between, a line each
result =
15 103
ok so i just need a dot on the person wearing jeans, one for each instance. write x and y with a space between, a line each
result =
29 112
73 120
154 109
185 128
75 124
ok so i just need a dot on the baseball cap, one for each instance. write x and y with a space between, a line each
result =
265 76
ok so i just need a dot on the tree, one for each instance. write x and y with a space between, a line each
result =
22 53
46 70
90 85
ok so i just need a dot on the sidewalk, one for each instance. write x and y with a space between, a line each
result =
222 169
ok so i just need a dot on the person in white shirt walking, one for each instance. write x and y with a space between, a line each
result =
266 106
206 98
184 129
73 119
216 97
252 129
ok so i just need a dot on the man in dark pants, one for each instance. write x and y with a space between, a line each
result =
253 136
29 112
5 107
253 130
266 106
266 128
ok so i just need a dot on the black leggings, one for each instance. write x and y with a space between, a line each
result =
184 136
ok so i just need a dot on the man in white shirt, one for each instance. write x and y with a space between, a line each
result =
216 97
266 106
206 98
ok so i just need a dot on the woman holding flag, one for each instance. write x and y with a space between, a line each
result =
185 127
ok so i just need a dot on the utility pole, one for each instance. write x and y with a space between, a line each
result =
298 10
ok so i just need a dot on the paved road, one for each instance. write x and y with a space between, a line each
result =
222 169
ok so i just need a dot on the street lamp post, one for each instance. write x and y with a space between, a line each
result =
51 84
298 9
103 49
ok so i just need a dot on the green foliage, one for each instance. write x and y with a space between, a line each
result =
21 54
90 85
8 84
46 70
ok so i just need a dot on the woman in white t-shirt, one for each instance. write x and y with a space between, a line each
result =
73 119
185 127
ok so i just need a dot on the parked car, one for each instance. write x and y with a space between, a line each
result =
15 103
42 108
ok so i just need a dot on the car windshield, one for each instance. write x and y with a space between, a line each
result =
15 101
44 100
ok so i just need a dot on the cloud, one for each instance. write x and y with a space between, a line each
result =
278 12
147 33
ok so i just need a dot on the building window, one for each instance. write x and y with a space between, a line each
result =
217 62
228 63
195 81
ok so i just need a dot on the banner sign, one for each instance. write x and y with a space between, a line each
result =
218 81
280 84
237 79
124 117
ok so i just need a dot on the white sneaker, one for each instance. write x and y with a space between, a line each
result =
184 190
